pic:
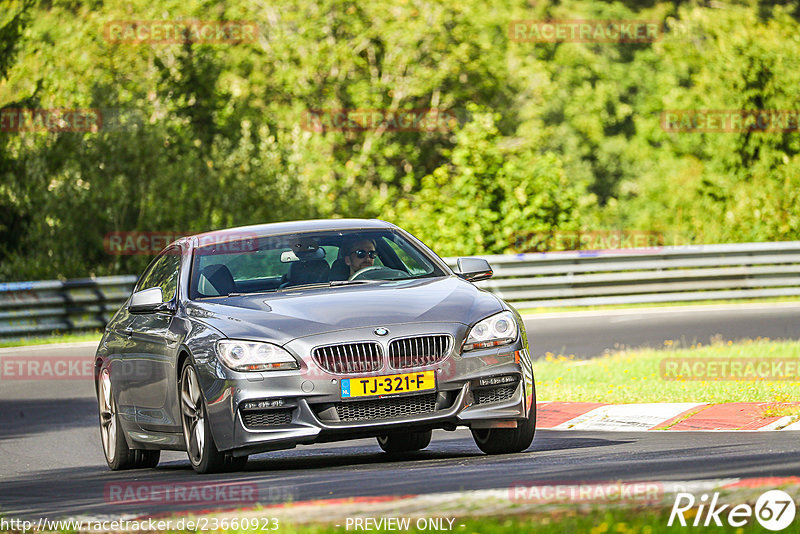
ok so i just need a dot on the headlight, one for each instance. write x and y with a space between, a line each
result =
500 329
254 356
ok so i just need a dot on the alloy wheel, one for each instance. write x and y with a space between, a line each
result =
108 416
193 415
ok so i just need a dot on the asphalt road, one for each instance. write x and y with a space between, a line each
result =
588 334
51 463
83 486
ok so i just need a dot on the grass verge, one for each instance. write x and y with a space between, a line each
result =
772 300
640 376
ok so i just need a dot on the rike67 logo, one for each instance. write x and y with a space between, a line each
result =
774 510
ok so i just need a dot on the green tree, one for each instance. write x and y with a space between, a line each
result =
496 192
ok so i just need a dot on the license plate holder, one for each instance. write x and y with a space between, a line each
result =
387 385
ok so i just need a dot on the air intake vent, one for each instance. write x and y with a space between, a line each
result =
264 418
418 351
350 358
386 408
495 394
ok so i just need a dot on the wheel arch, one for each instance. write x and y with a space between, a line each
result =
183 355
98 365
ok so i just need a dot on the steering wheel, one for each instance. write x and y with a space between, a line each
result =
357 274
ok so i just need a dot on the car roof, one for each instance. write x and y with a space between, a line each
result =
288 227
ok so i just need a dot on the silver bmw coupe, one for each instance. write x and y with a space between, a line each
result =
260 338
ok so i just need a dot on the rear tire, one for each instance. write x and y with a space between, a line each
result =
508 440
115 447
405 441
203 453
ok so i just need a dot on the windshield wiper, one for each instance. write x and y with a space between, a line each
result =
305 286
253 293
349 282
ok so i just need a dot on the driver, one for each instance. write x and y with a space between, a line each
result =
360 254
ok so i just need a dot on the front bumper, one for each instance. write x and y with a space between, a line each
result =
305 406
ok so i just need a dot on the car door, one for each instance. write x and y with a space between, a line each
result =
152 362
119 344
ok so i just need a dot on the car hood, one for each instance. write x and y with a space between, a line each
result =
283 316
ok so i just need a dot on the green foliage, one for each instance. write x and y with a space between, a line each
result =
12 22
493 192
722 187
551 136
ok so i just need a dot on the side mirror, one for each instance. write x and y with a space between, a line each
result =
474 269
148 301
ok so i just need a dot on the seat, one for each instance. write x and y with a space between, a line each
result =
218 279
340 270
307 272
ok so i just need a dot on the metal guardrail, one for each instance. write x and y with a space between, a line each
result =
578 278
28 308
647 275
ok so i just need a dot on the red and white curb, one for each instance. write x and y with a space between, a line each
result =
673 416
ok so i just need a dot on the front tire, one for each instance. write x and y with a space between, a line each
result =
115 448
508 440
405 441
200 446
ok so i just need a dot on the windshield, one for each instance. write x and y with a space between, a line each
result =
278 263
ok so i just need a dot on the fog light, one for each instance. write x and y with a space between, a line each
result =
257 405
497 380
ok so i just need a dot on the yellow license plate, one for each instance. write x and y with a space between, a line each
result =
388 385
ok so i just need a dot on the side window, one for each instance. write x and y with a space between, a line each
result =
415 264
163 273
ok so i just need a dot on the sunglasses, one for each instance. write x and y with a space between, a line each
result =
364 253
